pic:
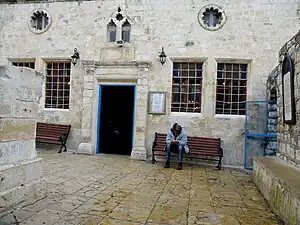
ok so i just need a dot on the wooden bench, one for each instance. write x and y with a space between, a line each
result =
200 147
53 134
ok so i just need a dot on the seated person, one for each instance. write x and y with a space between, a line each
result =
176 142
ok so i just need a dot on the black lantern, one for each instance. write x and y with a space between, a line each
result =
162 56
75 56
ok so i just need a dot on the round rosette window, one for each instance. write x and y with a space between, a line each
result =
212 17
39 21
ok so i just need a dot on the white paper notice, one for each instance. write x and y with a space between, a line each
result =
287 97
157 103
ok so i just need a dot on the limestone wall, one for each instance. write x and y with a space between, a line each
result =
253 33
21 171
288 135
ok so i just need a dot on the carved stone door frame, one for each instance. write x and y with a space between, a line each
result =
114 72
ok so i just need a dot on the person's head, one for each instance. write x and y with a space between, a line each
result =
176 129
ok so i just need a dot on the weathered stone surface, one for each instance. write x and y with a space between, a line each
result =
280 185
113 53
116 190
85 148
20 171
12 152
288 135
17 129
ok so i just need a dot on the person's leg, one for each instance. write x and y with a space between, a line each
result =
180 149
168 155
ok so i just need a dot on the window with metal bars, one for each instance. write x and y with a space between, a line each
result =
187 87
25 64
57 93
231 88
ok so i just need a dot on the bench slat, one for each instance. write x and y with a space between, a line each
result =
196 151
47 141
158 135
46 133
195 145
53 129
193 140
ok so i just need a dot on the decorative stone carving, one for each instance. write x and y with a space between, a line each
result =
39 21
212 17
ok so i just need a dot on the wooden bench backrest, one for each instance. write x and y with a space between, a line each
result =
52 130
204 145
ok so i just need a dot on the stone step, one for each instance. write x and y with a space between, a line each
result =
26 194
17 175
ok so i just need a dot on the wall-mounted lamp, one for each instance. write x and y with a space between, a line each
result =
75 56
162 56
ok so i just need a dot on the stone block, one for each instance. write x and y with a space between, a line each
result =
87 100
16 129
297 154
12 152
20 174
25 194
20 171
85 148
86 121
5 109
279 184
88 86
88 78
86 133
139 153
88 93
115 53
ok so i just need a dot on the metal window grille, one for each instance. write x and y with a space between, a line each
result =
57 93
25 64
187 87
39 20
231 89
212 17
112 31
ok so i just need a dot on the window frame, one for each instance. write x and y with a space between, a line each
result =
248 86
127 29
108 33
44 68
195 60
30 25
23 60
119 32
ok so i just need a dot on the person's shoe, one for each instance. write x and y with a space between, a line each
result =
167 165
179 166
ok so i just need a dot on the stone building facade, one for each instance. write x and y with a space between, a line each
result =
288 135
209 35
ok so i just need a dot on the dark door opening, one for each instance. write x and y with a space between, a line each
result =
116 119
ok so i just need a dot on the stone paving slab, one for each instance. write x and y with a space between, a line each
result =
112 189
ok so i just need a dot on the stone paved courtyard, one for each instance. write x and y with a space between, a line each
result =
110 189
